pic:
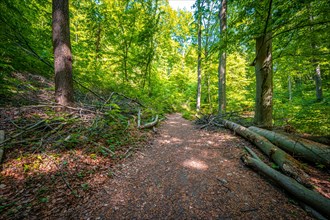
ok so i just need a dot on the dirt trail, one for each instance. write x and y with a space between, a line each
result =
188 173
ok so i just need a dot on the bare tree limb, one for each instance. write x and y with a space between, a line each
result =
149 125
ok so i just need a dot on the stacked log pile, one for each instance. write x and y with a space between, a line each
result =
285 152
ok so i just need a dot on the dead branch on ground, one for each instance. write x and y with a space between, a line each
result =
150 124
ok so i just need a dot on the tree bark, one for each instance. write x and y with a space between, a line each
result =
264 76
290 88
286 163
311 151
264 81
199 59
62 53
317 75
222 60
98 42
318 83
303 194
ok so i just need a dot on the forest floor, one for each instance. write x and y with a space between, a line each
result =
180 172
189 173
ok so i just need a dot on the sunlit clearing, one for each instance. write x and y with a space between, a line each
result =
195 164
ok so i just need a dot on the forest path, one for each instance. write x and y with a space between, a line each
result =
188 173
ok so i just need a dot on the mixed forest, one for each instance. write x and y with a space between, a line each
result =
95 73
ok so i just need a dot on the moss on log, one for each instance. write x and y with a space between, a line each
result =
309 150
286 163
301 193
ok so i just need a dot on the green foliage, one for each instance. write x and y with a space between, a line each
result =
85 186
148 51
24 38
274 166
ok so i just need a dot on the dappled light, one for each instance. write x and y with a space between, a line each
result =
195 164
164 109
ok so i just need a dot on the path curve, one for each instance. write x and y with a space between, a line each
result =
188 173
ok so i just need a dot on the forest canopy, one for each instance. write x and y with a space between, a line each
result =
149 52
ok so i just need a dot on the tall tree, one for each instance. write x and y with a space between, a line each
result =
264 74
316 65
62 53
199 59
222 59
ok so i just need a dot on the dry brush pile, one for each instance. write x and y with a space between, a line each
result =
53 160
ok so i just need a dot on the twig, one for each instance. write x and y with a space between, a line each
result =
133 100
107 100
78 109
22 141
108 150
56 105
11 121
68 185
25 130
223 184
63 178
49 134
249 209
91 91
126 153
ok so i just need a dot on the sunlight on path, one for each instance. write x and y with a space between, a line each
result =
190 174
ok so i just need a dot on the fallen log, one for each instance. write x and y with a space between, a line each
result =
307 196
286 163
319 139
149 125
309 150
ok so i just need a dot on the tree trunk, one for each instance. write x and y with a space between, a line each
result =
318 83
222 60
264 81
98 42
62 53
286 163
311 151
264 71
303 194
290 88
199 59
317 75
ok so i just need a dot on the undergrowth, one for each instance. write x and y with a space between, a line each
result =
54 157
